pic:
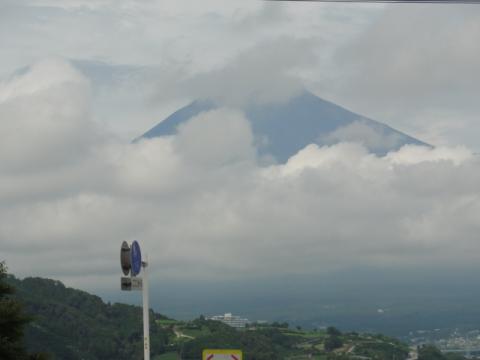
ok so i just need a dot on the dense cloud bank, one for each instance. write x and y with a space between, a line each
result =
203 206
415 66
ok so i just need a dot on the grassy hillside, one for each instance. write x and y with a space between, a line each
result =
267 342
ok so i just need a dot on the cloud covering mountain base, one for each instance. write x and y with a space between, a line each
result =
202 205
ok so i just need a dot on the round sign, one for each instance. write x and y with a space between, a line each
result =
125 261
136 258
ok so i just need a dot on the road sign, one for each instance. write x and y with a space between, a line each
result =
222 354
136 258
126 283
131 283
137 283
125 261
131 262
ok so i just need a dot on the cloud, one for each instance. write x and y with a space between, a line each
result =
414 67
215 138
358 131
250 51
203 206
201 203
267 72
44 118
421 54
410 155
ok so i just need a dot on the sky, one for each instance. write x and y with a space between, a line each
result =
80 79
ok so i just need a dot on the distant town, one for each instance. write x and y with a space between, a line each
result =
462 342
448 341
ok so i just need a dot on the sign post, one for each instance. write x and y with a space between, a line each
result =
131 263
146 307
222 354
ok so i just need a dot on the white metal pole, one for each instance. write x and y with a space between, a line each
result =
146 321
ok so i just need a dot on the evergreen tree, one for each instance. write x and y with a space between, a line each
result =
333 340
12 323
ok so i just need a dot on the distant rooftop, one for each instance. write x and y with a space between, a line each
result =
230 320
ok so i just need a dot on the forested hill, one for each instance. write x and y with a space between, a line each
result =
72 324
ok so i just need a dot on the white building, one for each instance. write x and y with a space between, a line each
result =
231 320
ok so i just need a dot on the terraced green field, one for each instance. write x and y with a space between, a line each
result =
273 343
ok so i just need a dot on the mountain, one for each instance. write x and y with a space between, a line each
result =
72 324
282 129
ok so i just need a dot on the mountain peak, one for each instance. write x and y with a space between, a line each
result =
282 129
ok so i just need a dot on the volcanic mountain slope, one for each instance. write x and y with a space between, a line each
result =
282 129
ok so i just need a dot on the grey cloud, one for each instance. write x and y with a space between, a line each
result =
269 14
199 201
265 73
198 208
70 196
416 67
184 50
418 54
371 138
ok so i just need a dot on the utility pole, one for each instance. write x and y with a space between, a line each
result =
146 313
132 264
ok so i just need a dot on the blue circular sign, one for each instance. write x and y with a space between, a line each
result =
136 257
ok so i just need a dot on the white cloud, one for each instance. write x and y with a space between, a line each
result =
44 118
203 207
42 76
215 138
415 67
358 131
199 202
185 50
410 155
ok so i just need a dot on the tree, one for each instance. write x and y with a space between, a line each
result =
12 323
333 331
332 342
430 352
454 357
